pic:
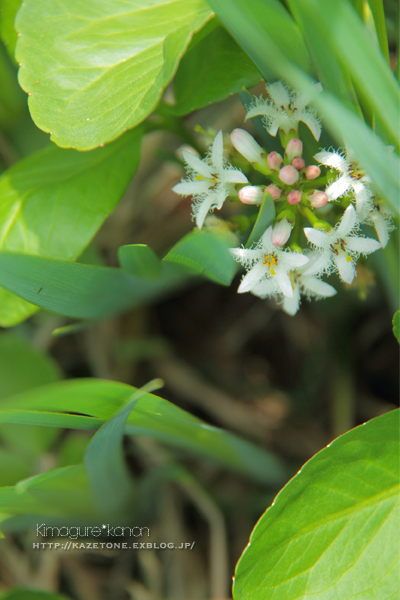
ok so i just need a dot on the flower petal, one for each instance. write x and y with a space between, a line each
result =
273 127
191 188
278 93
317 237
260 108
319 265
266 241
197 164
284 283
362 245
346 267
294 259
307 95
217 151
312 123
348 222
292 305
381 228
201 210
338 187
333 160
316 287
245 256
233 176
252 278
265 288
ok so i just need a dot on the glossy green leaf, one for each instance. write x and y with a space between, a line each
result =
264 219
256 37
396 325
95 69
207 254
81 291
140 260
110 479
151 416
333 531
213 69
53 202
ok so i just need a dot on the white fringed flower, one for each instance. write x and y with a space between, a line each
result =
269 265
210 181
303 285
340 247
283 109
351 178
382 221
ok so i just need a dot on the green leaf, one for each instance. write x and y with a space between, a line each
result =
347 38
7 30
206 253
151 416
28 594
264 219
283 32
55 493
333 531
256 36
396 325
53 202
12 101
95 69
110 479
378 14
12 468
330 73
140 260
81 291
213 69
23 367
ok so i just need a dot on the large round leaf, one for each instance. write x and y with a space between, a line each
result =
333 531
96 68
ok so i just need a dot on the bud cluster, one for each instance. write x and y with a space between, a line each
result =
298 247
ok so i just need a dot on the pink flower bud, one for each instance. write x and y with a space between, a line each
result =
318 199
275 192
294 149
289 175
294 197
298 163
275 161
281 232
312 172
251 194
246 145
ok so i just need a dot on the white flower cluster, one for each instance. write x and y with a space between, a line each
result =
352 179
273 270
211 180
